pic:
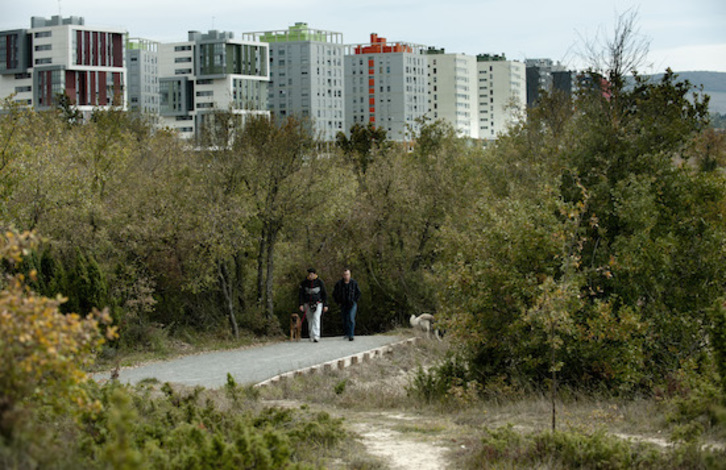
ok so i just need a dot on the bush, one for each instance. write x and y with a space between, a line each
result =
504 448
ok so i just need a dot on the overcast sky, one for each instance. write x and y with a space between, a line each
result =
683 35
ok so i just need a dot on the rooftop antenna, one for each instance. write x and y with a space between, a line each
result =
212 21
59 9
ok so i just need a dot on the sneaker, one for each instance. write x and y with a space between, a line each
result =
315 340
350 339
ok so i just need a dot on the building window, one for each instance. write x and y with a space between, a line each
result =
205 93
22 89
182 71
21 76
46 60
43 34
179 60
43 47
205 81
182 48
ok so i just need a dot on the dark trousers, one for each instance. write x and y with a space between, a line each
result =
348 313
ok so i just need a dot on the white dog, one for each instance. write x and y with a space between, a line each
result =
425 324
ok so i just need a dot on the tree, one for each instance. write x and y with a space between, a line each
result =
43 350
649 258
278 167
364 144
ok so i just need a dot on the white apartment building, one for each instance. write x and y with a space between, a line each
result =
386 85
306 76
502 87
453 91
142 63
209 72
59 56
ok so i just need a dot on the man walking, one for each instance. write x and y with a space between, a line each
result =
347 293
313 299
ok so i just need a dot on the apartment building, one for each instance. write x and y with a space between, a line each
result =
142 64
502 88
386 85
210 72
453 91
306 76
58 56
547 75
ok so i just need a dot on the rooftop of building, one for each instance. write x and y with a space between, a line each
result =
56 20
491 57
299 32
211 35
380 45
141 44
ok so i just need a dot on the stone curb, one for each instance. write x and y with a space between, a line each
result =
339 364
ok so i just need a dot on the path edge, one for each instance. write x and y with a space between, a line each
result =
339 364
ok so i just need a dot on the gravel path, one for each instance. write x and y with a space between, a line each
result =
250 366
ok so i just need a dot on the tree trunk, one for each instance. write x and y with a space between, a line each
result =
271 239
554 385
227 289
261 266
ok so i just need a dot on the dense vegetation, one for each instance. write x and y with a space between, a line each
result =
586 247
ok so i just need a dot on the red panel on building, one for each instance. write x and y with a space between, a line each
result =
82 88
94 57
103 89
118 50
71 86
92 79
117 93
103 49
79 47
87 48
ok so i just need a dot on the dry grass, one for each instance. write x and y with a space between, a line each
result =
375 394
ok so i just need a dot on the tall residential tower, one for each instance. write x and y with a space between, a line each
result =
502 94
306 76
386 85
453 92
211 72
58 56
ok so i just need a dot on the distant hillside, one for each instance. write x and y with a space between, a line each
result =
714 85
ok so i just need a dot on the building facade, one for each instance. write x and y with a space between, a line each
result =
59 56
452 91
207 73
545 74
386 85
142 64
502 86
306 76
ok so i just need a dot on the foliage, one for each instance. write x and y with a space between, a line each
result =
43 351
649 234
504 447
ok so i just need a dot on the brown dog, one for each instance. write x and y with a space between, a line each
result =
295 327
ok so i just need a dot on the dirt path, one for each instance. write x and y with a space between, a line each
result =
397 449
401 441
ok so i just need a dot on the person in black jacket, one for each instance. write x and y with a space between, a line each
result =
313 300
347 293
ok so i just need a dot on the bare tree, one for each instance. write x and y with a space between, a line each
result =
623 53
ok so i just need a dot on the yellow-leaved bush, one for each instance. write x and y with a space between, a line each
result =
43 352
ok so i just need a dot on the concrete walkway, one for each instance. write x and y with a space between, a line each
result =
253 365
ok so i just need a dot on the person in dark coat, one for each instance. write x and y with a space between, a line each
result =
313 300
347 293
